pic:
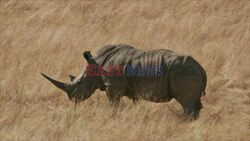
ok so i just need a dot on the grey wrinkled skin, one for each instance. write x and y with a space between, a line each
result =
183 78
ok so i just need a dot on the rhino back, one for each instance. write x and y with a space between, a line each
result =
113 54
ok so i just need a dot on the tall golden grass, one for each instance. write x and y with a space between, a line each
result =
50 35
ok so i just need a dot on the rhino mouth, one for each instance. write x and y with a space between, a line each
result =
73 94
77 97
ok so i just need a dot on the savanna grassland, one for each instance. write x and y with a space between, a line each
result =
50 35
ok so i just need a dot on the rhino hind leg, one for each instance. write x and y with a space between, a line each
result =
192 109
131 95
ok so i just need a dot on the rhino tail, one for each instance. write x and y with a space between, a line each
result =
204 76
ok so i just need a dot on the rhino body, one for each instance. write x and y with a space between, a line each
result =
181 77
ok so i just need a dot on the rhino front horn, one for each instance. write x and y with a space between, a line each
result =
58 84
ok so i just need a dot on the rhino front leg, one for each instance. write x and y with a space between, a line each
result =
114 95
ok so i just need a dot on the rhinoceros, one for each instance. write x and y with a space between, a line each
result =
154 75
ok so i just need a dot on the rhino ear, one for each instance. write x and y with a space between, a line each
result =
87 55
72 78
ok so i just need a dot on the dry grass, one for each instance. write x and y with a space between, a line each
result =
50 36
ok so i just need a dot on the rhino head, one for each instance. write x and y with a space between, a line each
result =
80 88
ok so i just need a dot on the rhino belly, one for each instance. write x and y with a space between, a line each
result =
153 89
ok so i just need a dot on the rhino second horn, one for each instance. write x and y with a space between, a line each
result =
58 84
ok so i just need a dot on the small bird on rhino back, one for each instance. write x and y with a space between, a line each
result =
154 75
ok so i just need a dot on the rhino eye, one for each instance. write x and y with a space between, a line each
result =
79 82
